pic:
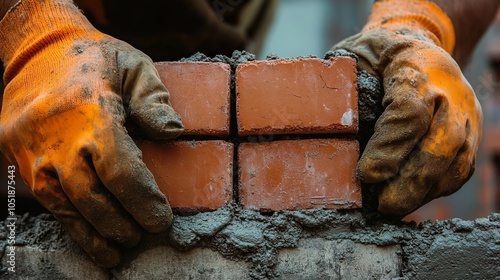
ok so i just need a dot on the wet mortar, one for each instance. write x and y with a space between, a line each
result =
449 247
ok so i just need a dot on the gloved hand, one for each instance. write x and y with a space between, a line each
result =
69 90
426 139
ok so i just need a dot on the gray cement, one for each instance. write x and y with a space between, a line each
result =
258 246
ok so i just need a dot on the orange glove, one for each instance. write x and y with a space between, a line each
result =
426 139
69 90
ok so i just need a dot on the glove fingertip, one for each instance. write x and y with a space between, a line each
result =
159 122
390 204
161 221
372 171
109 259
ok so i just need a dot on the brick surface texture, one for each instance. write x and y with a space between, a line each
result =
299 174
313 99
192 174
199 92
297 96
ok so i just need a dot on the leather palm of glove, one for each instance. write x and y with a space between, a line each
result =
69 90
426 139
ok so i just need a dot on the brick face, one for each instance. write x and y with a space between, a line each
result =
299 96
200 94
192 174
299 174
302 96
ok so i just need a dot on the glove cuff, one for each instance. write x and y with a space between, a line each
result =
32 25
413 15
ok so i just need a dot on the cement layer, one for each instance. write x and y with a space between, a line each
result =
251 242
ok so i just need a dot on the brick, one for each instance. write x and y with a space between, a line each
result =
297 96
162 262
339 259
33 262
200 94
491 143
192 174
299 174
473 255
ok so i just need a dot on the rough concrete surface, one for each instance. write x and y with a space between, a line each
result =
317 258
231 243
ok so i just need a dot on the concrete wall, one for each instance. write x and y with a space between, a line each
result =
231 243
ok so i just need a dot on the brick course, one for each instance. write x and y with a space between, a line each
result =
299 96
192 174
304 96
299 174
306 173
199 92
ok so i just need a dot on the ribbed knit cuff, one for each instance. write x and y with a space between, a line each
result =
414 14
32 25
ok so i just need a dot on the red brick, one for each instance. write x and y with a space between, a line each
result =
299 174
490 142
200 94
192 174
297 96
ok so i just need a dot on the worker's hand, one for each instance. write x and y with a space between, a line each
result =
69 90
426 139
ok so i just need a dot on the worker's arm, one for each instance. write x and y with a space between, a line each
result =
425 141
470 18
69 91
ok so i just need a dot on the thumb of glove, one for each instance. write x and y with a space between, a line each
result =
146 99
